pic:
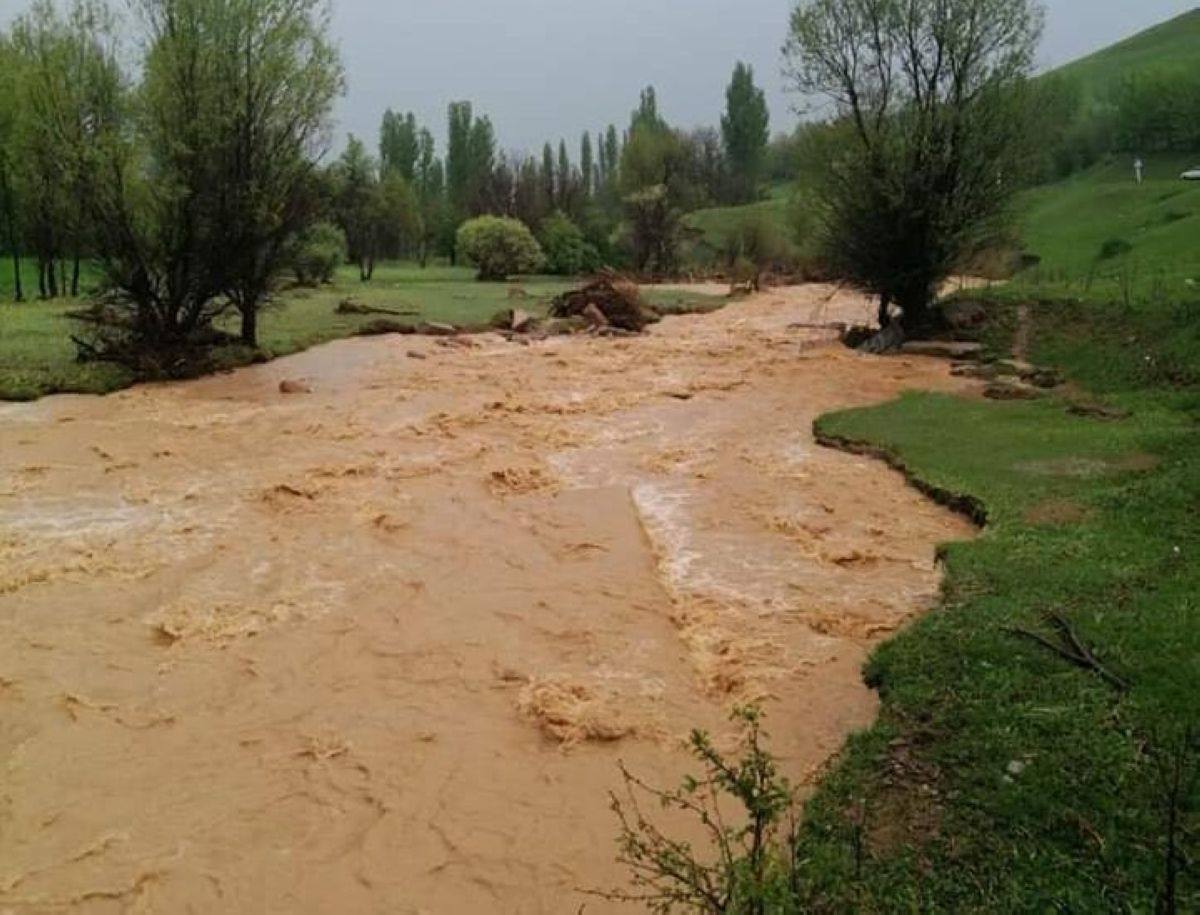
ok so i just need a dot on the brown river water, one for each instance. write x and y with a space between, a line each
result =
380 647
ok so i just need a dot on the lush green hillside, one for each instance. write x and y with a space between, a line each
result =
710 233
1099 231
1173 43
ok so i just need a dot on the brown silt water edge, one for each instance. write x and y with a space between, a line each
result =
379 647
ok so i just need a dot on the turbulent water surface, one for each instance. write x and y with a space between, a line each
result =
380 647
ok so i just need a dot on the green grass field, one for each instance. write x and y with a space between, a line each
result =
718 223
1001 778
1101 235
37 356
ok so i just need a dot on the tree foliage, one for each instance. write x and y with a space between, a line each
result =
196 200
654 187
317 253
932 94
1159 111
745 130
499 247
399 144
568 252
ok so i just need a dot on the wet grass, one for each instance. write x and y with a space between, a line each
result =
1001 777
37 356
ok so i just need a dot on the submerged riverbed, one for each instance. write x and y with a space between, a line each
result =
379 647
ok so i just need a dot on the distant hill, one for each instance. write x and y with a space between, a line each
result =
1175 43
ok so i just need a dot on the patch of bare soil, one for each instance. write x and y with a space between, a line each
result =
1055 512
379 647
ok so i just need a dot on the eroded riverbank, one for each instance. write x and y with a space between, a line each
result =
380 646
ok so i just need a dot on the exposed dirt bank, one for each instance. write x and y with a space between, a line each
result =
378 648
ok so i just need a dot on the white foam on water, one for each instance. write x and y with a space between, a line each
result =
664 515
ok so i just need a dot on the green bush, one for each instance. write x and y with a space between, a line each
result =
568 252
499 247
318 253
1114 248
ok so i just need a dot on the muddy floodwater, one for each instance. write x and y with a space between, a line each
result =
380 647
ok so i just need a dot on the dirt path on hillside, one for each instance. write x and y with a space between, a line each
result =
379 648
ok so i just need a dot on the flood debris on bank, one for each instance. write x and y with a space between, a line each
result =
609 300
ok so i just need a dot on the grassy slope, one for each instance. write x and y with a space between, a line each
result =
37 356
711 229
1173 43
1067 224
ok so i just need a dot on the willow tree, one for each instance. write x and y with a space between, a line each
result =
930 96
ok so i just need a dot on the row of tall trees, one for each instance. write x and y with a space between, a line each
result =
61 92
625 188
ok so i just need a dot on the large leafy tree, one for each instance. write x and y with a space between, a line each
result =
745 132
653 184
196 201
399 144
931 96
359 204
280 72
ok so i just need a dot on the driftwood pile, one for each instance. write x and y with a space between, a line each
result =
611 300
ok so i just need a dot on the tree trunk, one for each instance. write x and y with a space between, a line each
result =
885 310
18 292
250 326
75 277
916 309
10 221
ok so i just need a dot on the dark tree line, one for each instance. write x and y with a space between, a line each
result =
624 189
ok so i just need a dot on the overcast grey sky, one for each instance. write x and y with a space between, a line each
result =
544 69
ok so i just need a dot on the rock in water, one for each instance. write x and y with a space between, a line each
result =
294 387
888 339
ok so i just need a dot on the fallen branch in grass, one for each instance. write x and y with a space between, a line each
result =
350 307
1070 647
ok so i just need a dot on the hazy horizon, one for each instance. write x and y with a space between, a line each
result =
550 69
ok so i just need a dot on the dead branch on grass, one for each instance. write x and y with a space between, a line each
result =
1070 647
